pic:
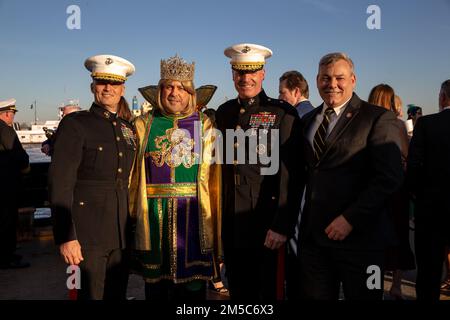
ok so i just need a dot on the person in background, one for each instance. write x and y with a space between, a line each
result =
47 145
428 177
414 112
398 107
398 256
293 88
14 162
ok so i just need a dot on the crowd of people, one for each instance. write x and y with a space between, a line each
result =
296 202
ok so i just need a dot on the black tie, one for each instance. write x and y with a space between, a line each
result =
321 134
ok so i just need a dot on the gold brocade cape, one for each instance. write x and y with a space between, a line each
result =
209 189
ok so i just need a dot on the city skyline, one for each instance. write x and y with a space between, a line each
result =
42 58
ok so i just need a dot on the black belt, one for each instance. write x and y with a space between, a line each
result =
103 184
242 180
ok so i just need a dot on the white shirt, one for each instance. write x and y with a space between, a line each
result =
447 107
319 118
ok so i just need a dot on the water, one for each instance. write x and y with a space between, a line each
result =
35 154
42 213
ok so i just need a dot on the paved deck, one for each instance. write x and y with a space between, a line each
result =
46 278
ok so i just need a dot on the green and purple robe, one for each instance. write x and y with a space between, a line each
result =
175 198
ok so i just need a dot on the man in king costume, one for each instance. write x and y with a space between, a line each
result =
175 190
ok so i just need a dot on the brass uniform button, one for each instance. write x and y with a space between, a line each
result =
114 123
118 139
100 148
81 203
119 170
120 154
242 111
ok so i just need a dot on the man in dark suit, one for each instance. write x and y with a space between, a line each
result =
353 166
260 199
294 89
428 177
88 182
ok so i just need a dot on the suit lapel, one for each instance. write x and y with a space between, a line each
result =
347 116
309 119
308 122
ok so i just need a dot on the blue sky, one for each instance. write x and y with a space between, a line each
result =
42 60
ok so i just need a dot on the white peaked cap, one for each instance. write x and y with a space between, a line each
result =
109 67
248 56
8 105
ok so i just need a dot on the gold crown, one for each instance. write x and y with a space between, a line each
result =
177 69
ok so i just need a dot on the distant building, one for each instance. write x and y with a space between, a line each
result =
135 107
143 109
146 107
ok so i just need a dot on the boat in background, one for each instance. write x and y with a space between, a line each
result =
36 134
40 132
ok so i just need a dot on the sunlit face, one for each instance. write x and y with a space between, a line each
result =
174 97
8 117
248 84
290 96
107 94
336 83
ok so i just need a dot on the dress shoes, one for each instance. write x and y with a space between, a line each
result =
445 285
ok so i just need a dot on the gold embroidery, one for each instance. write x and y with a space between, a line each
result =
171 235
202 175
172 175
176 280
174 238
160 218
169 190
151 266
174 149
108 76
160 215
186 232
